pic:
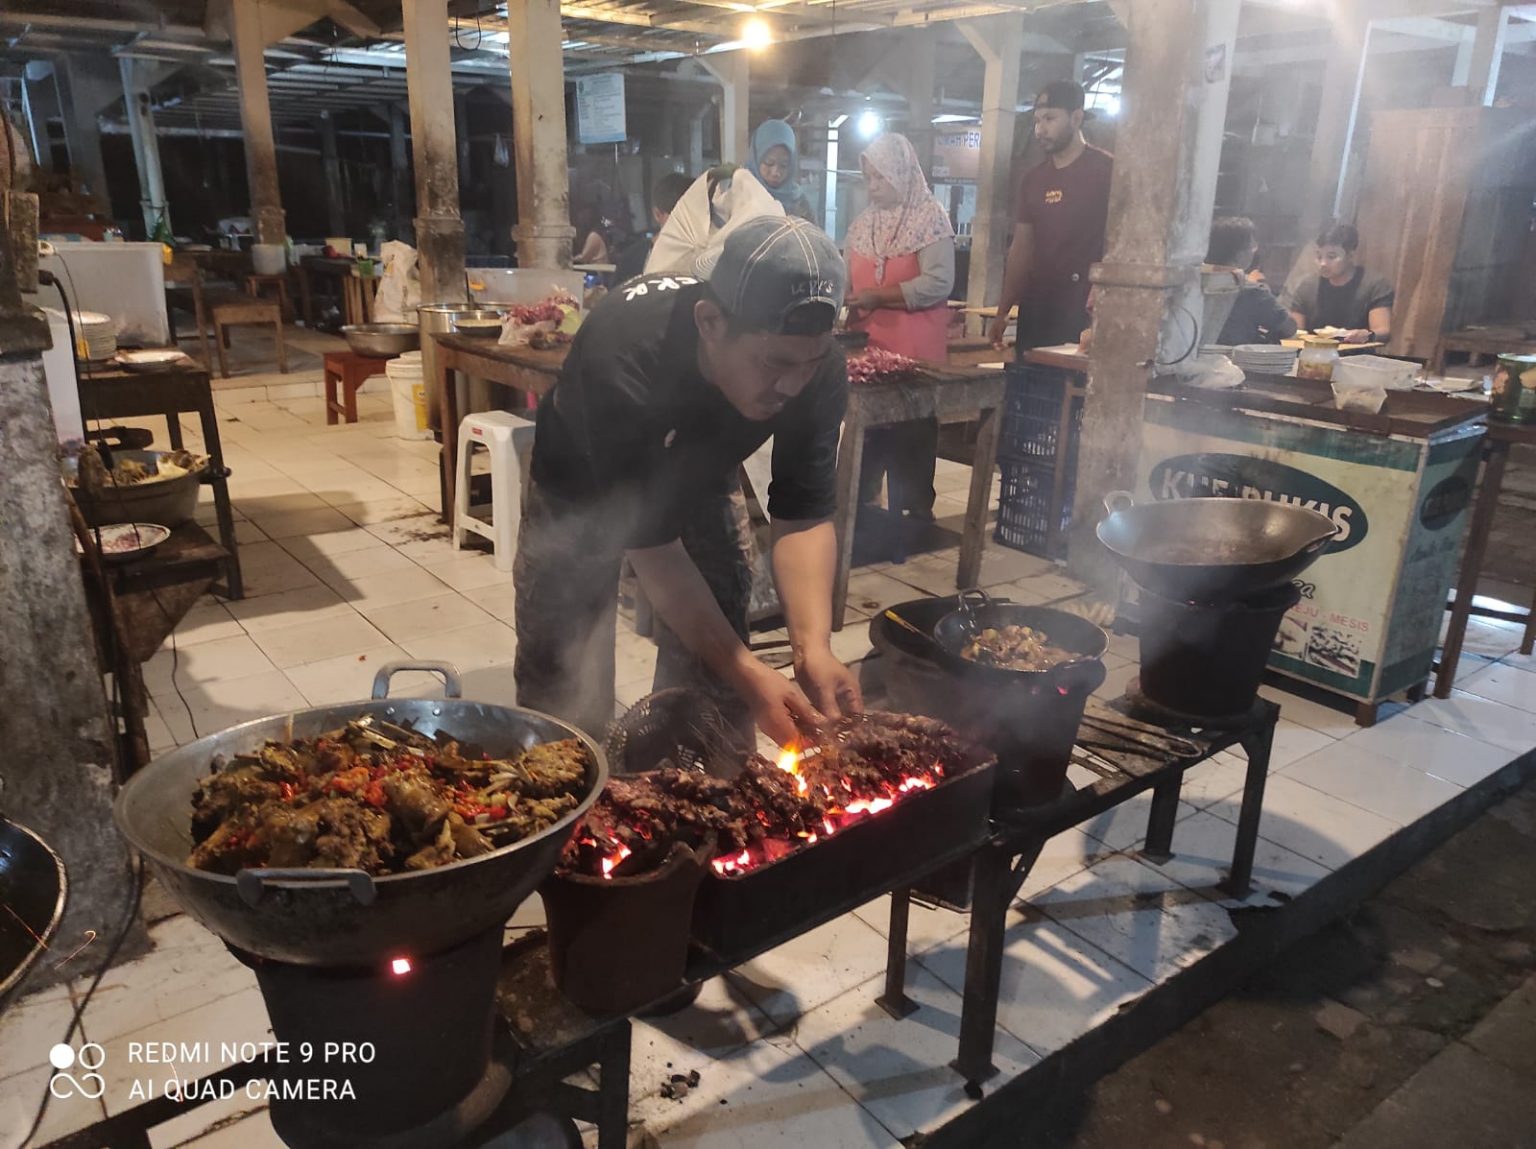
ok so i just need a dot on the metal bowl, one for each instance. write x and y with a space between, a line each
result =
382 340
482 324
325 917
167 501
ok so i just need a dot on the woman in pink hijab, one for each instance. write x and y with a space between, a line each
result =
901 267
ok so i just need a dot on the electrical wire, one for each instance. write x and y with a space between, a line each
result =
135 901
1194 341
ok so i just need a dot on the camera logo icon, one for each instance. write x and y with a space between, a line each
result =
87 1059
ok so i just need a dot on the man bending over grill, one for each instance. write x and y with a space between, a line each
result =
671 382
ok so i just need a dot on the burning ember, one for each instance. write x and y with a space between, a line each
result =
858 770
838 814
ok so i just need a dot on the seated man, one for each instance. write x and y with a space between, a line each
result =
1343 294
664 196
1257 316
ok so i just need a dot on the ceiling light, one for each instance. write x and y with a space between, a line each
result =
953 118
870 123
756 34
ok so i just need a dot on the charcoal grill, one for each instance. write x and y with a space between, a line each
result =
737 915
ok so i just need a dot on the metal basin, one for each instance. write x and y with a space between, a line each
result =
345 917
382 340
168 501
1212 550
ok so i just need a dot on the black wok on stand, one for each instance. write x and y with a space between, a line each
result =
389 982
1215 576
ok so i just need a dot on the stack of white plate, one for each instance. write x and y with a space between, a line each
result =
97 333
1264 358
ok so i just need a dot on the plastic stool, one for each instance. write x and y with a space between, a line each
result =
509 439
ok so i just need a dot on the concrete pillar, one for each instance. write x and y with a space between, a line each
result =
696 141
29 118
998 41
400 172
81 101
917 82
256 121
734 71
1177 75
1343 82
1486 56
54 726
434 152
543 233
146 145
335 216
40 101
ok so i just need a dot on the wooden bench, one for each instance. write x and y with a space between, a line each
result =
246 314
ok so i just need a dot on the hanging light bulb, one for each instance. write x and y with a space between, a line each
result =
756 34
870 123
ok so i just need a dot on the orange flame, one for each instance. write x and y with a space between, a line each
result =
789 762
615 859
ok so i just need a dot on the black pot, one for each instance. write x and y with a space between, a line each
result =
1029 720
1207 660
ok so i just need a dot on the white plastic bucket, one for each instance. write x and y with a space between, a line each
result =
269 258
408 391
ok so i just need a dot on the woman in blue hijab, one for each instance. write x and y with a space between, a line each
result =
776 164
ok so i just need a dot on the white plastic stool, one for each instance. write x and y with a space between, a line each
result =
507 439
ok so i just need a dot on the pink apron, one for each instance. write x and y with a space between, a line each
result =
918 334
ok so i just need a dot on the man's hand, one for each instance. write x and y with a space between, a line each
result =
831 685
779 707
1359 335
997 330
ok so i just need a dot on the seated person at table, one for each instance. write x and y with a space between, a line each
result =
1257 316
1343 294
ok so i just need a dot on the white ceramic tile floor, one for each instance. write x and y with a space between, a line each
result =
364 573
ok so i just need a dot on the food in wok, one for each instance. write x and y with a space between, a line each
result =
128 471
1015 648
380 798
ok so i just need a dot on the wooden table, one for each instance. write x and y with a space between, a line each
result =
357 291
113 393
1512 339
521 368
1496 444
949 395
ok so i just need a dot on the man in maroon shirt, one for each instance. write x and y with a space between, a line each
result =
1062 209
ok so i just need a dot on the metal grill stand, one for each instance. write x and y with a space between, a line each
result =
1002 864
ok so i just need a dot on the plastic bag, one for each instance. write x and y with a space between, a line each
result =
1215 372
694 234
400 287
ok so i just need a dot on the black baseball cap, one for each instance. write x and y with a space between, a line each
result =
1064 95
782 275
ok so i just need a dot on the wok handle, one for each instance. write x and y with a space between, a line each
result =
1117 501
251 885
452 686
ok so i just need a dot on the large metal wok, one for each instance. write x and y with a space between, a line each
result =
325 917
32 890
1214 549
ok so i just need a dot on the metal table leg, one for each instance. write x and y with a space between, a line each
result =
996 883
613 1091
850 458
894 1000
1165 809
1257 747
